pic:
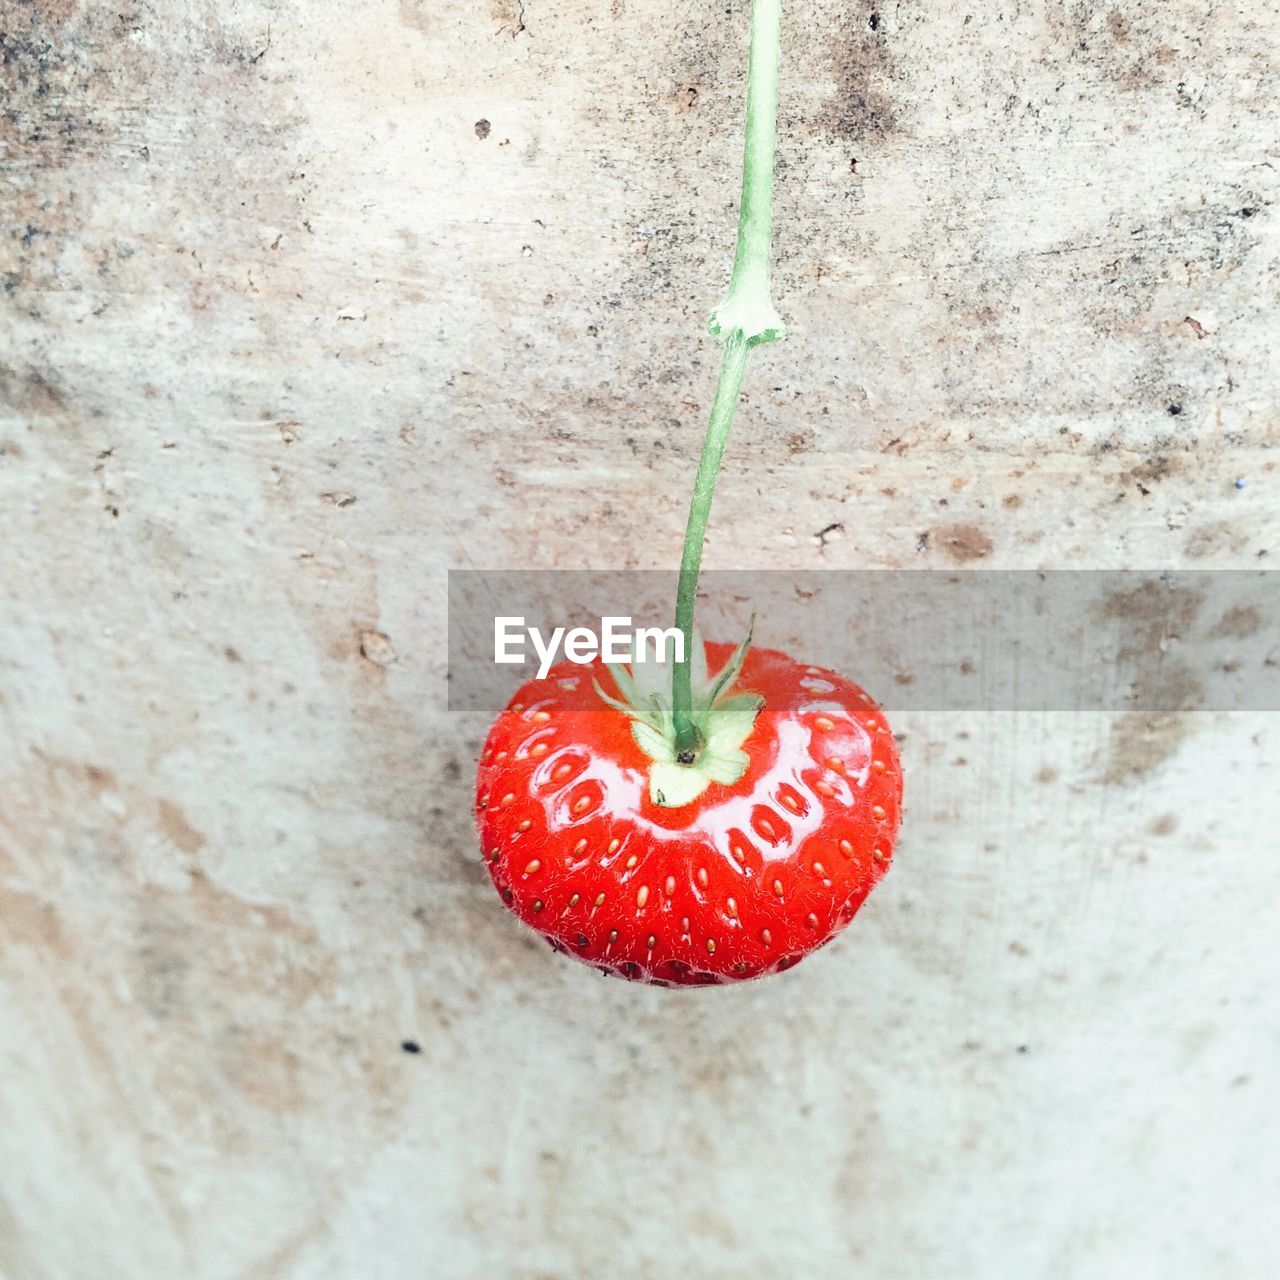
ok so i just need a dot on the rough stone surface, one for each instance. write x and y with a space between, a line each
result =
304 303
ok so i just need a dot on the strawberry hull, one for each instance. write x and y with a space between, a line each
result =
744 881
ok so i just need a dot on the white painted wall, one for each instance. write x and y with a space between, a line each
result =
284 338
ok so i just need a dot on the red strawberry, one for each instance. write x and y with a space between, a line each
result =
739 865
670 831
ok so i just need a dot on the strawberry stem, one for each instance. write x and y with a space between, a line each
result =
745 319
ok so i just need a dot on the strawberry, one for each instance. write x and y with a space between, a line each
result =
734 866
669 825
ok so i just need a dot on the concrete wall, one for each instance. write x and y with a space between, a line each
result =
304 303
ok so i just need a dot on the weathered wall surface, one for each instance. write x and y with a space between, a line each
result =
304 303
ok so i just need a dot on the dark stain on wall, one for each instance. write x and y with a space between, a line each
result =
962 543
862 65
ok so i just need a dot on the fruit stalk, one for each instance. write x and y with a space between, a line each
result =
745 319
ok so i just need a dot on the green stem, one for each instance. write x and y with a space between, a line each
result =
745 319
704 487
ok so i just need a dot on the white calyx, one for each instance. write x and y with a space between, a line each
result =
724 722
